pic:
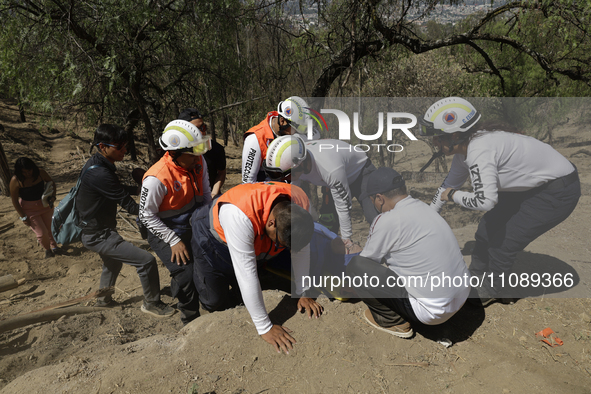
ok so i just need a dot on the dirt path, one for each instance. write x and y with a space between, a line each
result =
124 351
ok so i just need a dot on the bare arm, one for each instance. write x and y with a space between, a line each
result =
14 188
46 178
219 182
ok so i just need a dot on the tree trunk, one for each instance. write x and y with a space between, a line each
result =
39 317
4 173
21 111
153 155
210 113
8 282
132 121
225 124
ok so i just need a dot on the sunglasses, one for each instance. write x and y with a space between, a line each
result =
118 146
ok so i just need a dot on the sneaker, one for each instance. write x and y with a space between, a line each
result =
482 296
403 330
157 309
49 254
486 301
103 302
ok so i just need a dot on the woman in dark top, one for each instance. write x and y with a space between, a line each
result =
27 189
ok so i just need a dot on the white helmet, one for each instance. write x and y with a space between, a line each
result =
449 115
283 154
180 135
294 109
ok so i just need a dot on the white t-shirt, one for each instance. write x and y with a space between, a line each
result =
240 239
417 243
152 194
498 161
337 168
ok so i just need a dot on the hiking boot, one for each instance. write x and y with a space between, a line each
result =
403 330
157 309
58 251
49 254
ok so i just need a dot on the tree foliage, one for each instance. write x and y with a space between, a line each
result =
544 40
123 61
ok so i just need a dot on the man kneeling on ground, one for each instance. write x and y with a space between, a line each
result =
420 249
249 224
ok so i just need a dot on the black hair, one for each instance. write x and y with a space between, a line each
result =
109 134
295 225
24 163
190 114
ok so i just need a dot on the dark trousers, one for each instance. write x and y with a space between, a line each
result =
359 186
181 282
115 252
516 220
213 273
388 305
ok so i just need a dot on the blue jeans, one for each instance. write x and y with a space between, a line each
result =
181 282
213 273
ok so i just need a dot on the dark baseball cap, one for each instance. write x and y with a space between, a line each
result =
381 181
190 114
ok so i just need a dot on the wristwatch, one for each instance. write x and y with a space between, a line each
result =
23 218
450 195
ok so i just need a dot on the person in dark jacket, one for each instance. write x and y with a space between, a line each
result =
99 193
215 157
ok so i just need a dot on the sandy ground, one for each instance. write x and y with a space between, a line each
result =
122 350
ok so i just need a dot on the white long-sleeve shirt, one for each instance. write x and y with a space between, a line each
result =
153 192
417 243
337 168
498 161
239 235
252 158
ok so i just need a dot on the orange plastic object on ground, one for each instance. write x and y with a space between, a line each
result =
550 337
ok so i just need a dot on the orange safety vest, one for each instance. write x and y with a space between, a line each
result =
185 188
256 200
264 134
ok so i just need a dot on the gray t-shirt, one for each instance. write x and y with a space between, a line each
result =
498 161
419 245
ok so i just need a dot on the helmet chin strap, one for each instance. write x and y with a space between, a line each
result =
435 156
175 155
283 128
451 146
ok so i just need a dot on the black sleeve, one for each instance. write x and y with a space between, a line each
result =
133 190
112 189
220 158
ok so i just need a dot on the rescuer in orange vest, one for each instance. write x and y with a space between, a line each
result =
291 117
247 225
172 189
